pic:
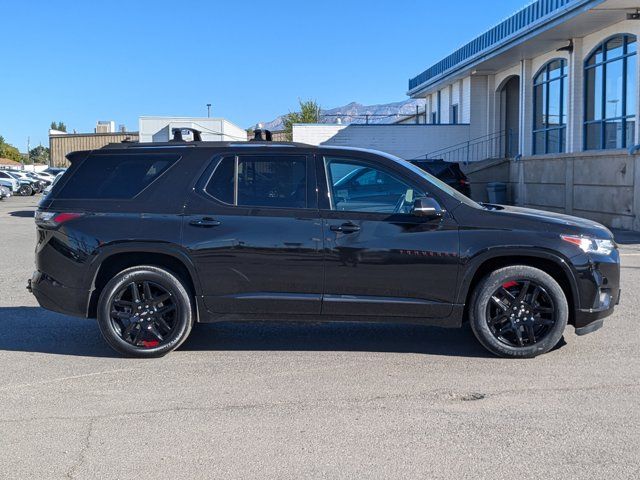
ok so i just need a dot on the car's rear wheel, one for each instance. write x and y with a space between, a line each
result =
518 311
145 311
25 190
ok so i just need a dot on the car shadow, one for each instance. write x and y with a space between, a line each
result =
22 213
34 329
335 336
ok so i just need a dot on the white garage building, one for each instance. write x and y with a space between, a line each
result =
160 129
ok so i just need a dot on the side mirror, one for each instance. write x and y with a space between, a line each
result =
427 207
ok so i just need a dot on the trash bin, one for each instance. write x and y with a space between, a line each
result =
497 192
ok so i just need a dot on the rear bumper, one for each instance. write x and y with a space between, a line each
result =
54 296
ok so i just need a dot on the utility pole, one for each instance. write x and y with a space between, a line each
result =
208 110
28 149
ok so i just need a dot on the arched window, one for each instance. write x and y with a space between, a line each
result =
550 108
610 89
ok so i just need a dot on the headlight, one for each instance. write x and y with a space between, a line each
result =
591 245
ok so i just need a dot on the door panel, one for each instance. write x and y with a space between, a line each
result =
386 263
257 259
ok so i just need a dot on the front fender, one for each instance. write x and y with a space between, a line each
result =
473 264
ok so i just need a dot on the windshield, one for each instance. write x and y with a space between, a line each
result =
434 181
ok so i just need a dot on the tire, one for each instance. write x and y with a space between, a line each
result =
509 332
114 324
25 190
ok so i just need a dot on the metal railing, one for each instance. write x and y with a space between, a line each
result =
516 23
495 145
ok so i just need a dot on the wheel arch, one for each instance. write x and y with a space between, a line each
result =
109 263
550 263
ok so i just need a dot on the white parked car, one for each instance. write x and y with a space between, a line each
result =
55 180
9 182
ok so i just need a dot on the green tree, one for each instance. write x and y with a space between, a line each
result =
39 154
309 113
8 151
58 126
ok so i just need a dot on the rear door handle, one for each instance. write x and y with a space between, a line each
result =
204 222
345 228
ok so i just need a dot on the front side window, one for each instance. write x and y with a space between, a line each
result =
260 181
550 108
610 94
358 186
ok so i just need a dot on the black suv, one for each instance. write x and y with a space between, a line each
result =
150 238
449 172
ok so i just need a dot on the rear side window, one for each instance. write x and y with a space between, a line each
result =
221 184
115 176
261 181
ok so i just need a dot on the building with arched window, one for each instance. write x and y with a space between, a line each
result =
553 93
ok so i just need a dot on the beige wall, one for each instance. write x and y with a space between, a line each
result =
61 145
598 185
602 186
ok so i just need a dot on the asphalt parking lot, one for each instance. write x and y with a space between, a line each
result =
299 400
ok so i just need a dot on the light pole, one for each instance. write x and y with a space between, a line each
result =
208 110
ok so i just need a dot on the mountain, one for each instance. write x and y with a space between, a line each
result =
357 113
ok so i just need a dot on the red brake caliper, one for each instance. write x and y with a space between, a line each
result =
509 284
150 343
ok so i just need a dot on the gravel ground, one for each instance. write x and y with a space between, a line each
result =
309 400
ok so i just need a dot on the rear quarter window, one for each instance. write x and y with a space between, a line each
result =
119 176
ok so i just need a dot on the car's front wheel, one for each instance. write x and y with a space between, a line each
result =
145 311
518 311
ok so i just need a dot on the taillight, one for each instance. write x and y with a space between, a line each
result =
54 219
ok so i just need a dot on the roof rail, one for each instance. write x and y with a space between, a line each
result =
177 134
259 137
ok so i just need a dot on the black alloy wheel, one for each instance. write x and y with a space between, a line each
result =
145 311
521 313
143 314
518 311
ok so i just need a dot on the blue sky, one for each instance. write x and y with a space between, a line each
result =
85 61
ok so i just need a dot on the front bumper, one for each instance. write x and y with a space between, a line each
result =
54 296
599 292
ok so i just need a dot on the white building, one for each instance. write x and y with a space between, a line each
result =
105 126
547 101
160 129
559 76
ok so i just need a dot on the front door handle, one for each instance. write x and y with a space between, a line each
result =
345 228
204 222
